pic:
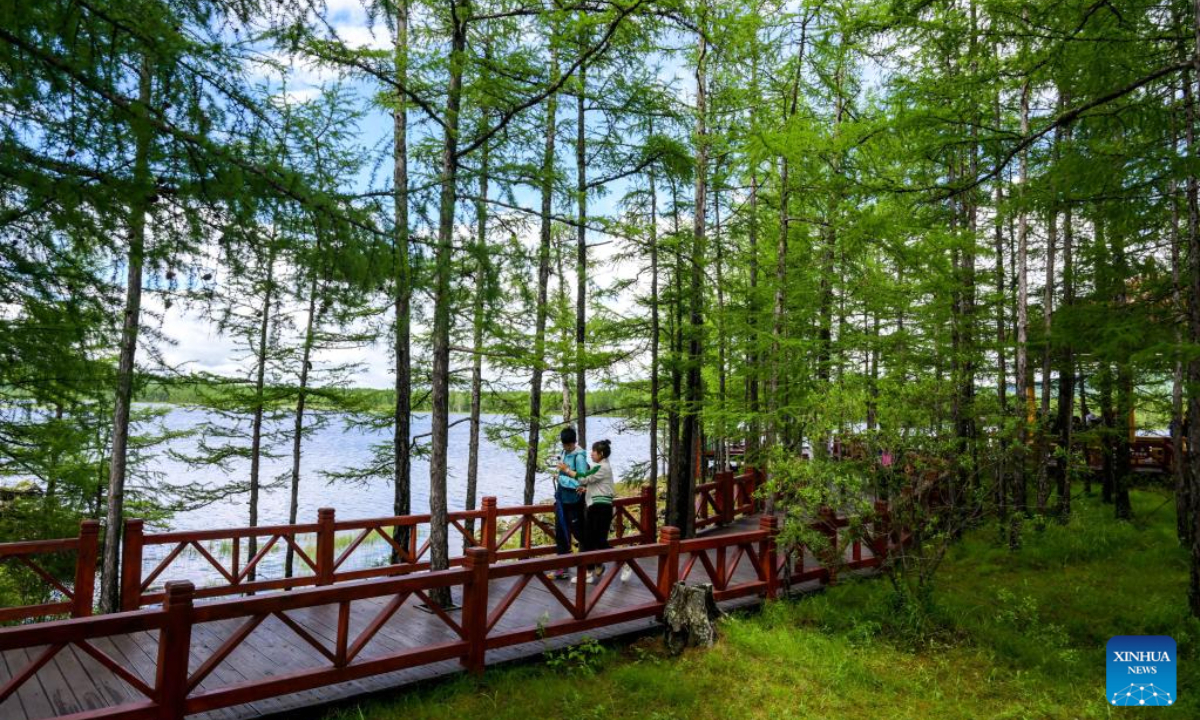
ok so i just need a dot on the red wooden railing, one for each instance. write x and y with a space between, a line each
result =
77 597
506 533
725 497
510 533
178 689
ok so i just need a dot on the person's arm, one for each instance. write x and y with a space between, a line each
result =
582 476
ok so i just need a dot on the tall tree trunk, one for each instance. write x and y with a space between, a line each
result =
477 322
655 330
1194 325
1024 387
682 514
1066 368
298 424
440 386
539 338
256 424
581 248
721 461
1002 476
752 360
402 415
126 363
1043 477
675 328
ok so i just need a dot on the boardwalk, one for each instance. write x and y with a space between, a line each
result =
281 652
73 681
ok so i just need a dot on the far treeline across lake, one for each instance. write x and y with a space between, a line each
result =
928 269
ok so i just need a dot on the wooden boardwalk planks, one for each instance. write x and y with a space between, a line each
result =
74 681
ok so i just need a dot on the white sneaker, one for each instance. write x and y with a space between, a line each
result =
626 573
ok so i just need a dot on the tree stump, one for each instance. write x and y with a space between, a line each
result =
690 616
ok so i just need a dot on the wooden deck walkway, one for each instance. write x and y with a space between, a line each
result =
85 677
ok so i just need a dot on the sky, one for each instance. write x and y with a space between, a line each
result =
192 343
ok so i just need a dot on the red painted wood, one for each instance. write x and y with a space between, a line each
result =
325 545
475 606
489 527
131 565
668 567
767 554
174 644
85 568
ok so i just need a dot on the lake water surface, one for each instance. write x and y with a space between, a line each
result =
339 447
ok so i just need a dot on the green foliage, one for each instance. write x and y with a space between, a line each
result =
1004 640
583 659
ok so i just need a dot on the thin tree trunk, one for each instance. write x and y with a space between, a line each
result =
298 425
1024 388
1002 478
1194 325
440 385
752 360
477 322
1066 371
721 461
126 364
1043 477
256 424
655 330
539 339
675 327
683 516
402 416
581 268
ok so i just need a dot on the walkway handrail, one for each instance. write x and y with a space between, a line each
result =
181 688
77 597
507 533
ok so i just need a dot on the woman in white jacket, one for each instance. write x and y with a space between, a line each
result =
598 482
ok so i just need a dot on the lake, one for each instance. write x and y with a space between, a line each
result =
337 447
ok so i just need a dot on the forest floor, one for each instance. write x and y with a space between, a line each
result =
1010 636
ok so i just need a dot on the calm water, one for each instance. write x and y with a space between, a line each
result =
336 447
339 447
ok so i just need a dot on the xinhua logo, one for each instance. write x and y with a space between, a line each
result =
1141 670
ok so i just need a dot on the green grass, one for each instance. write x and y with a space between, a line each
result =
1017 636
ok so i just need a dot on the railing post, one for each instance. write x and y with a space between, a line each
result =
725 493
668 565
174 646
325 539
768 555
649 514
749 485
85 568
131 564
475 607
489 527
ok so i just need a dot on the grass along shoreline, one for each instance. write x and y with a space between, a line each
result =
1012 636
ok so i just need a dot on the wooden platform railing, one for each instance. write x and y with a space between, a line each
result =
182 687
506 533
509 533
725 497
77 597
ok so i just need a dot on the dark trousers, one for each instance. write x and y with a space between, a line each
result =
568 523
599 520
